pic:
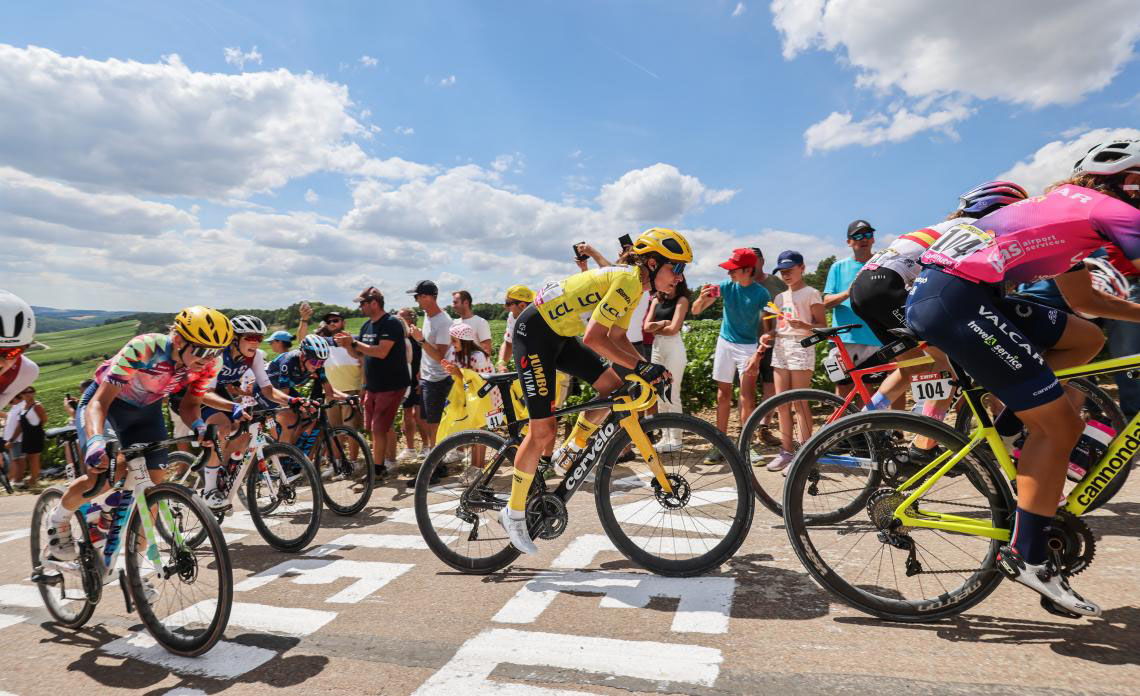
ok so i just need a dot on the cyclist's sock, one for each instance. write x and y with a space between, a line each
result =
212 477
58 515
1029 536
930 410
582 431
520 486
879 402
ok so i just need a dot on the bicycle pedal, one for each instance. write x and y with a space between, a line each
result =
1049 606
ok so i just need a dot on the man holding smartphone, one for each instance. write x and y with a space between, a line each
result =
738 349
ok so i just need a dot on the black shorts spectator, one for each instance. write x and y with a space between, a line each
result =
433 397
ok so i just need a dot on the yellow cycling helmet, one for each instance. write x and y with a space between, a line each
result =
205 327
521 293
666 242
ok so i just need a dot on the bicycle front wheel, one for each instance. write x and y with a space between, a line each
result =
283 493
457 505
701 523
873 561
344 462
185 604
64 595
793 415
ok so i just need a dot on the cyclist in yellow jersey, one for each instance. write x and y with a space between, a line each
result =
598 305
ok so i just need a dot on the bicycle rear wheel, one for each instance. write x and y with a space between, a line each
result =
458 511
345 467
64 596
697 527
760 440
869 559
284 498
186 605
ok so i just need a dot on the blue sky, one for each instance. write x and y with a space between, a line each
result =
297 150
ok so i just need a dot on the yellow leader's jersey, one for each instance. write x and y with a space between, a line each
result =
607 295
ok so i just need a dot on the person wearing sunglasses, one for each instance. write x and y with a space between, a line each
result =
127 395
519 298
241 356
289 372
600 304
862 342
17 328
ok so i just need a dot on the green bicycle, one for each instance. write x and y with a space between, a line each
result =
923 545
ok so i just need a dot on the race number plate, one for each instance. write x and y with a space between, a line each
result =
835 371
957 243
930 386
496 420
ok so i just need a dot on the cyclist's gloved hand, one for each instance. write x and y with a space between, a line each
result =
650 372
238 413
96 455
201 431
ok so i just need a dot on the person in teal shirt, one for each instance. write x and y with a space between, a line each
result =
738 350
861 343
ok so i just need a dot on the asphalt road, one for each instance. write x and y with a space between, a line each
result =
368 609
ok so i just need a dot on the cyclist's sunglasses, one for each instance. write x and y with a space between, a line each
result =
678 267
12 353
511 303
204 352
858 236
253 338
315 362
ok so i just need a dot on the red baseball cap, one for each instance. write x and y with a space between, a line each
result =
741 258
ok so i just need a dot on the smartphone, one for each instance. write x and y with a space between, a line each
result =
715 290
577 256
625 241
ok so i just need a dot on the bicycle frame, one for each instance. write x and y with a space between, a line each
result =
1115 459
857 375
623 414
321 423
256 447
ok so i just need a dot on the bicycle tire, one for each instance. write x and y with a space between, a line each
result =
764 481
497 552
981 472
1105 407
4 474
215 561
289 456
741 517
365 478
71 613
179 470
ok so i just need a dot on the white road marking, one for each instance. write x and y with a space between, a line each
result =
408 515
291 621
225 661
648 512
581 552
23 596
7 620
373 541
371 576
183 691
704 607
467 673
14 534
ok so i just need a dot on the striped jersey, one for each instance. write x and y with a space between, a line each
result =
146 370
903 253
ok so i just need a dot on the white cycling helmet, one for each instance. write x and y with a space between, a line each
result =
1107 279
1110 158
248 324
314 346
17 321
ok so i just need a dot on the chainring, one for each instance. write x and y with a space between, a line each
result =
1071 543
550 515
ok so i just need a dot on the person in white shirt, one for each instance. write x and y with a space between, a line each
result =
461 303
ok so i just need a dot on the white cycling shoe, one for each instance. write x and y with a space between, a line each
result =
1046 581
61 545
215 500
517 531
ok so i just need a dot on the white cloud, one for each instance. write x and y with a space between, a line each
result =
840 130
236 58
164 129
448 81
369 61
659 194
401 130
311 196
1054 161
739 10
1028 52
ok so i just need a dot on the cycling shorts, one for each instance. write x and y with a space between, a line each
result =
133 424
539 353
879 298
997 340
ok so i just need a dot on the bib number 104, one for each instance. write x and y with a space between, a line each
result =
930 386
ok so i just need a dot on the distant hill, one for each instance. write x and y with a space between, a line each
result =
51 319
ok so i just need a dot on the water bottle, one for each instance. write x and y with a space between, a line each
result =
102 529
1090 448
